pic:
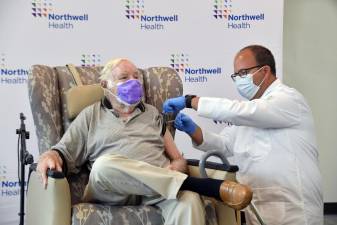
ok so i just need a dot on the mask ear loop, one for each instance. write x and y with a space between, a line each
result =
109 84
263 78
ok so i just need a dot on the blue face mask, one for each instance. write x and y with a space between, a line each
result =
246 86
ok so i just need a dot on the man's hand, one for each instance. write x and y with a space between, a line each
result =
185 123
48 160
174 105
179 165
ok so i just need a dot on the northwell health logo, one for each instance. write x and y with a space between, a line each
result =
41 8
8 188
44 9
2 60
3 172
90 60
223 10
181 63
11 76
135 11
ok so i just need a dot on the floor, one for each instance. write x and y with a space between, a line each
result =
330 219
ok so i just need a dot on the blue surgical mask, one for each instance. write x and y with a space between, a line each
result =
246 86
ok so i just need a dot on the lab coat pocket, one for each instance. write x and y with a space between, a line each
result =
259 145
271 204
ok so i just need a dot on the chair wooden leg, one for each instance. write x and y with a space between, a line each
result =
238 217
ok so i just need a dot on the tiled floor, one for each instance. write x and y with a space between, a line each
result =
330 219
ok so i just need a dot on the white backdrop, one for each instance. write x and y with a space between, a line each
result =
200 38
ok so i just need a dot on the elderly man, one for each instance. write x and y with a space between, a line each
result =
120 138
271 138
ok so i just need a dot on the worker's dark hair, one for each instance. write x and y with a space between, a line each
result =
263 56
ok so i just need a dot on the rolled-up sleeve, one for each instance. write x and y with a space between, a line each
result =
74 141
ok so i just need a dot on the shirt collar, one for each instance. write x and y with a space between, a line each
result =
276 83
105 104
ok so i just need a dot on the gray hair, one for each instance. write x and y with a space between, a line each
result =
109 67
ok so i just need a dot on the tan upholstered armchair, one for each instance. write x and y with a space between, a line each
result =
60 203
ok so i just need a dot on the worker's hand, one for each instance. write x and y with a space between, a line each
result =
174 105
185 123
48 160
178 165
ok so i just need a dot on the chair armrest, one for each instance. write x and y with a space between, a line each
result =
51 206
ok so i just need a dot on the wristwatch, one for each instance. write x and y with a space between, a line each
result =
188 100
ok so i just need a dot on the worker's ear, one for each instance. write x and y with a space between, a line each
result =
266 69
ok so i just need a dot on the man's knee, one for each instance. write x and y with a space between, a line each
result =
100 164
105 161
102 167
109 166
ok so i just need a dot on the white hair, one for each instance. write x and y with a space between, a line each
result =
109 67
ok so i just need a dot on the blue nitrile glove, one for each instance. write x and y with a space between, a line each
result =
185 123
174 105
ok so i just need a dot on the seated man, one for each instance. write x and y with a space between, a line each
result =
120 140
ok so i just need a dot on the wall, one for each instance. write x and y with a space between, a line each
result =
197 38
310 65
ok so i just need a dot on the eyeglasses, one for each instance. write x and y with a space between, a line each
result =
243 72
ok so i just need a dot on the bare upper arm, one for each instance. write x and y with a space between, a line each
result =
171 149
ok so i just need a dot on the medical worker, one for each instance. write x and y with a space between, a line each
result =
270 137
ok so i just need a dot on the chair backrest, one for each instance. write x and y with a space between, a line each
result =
47 87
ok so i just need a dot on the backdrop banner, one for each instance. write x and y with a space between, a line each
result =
199 39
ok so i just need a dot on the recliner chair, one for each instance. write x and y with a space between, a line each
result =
61 202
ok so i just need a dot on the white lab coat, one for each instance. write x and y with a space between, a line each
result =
272 140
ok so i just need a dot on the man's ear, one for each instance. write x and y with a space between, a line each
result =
104 83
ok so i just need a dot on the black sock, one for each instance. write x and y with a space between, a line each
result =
204 186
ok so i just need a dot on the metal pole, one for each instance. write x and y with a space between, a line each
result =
24 158
256 212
